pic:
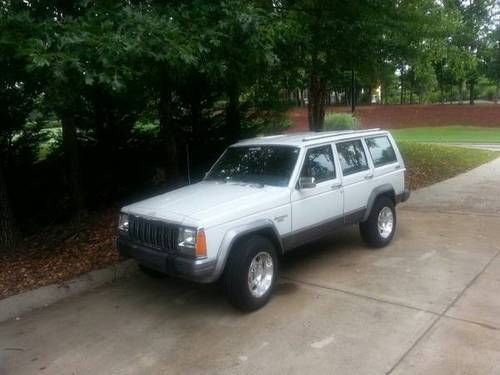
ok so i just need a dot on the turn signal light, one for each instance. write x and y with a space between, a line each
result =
201 244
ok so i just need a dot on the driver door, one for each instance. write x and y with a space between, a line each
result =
315 209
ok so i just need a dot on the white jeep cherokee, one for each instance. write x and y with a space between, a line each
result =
263 197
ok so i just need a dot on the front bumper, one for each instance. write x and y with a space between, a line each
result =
199 270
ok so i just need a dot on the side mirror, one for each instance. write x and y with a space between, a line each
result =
307 182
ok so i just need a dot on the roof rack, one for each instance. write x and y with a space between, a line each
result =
335 133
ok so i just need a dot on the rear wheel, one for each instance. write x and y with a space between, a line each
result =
251 272
378 230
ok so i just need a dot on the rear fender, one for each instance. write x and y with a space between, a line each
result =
378 191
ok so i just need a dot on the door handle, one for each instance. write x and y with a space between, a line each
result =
336 186
368 176
397 166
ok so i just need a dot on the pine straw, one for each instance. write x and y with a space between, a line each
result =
60 253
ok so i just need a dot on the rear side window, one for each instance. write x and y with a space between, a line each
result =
352 157
319 164
381 151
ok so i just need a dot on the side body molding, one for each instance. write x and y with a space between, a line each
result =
233 234
385 188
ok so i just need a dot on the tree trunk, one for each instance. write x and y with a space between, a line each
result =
70 146
8 230
233 112
199 131
402 99
471 93
353 90
316 104
168 137
497 91
461 94
297 98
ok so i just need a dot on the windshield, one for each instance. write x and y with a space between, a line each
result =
267 165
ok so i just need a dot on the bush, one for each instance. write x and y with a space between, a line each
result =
340 121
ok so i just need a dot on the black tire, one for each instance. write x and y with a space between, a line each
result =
236 272
151 272
369 228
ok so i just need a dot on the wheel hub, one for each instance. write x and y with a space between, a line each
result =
385 222
260 274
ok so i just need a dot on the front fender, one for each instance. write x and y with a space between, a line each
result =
233 234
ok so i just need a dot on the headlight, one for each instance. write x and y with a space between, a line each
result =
123 222
192 242
187 237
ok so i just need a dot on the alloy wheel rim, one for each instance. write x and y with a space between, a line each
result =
385 222
260 274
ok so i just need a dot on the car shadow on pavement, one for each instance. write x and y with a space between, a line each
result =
206 299
340 243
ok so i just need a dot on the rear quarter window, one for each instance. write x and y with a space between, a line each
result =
381 150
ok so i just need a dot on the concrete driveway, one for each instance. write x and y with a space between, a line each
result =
427 304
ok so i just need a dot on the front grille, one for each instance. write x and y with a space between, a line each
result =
153 233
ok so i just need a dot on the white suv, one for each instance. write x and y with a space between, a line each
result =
263 197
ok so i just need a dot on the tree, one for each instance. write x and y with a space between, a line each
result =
18 90
337 37
474 20
79 46
8 228
491 59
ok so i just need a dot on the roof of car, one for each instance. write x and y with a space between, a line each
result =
308 138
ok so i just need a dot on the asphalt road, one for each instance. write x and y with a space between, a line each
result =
427 304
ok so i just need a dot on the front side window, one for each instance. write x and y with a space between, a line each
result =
267 165
319 164
381 151
352 157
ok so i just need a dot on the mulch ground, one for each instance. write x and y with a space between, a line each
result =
60 253
409 116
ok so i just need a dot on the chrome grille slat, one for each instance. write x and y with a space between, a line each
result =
153 233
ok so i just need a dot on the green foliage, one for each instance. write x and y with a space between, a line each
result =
449 134
340 121
490 54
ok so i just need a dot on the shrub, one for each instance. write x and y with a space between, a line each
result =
340 121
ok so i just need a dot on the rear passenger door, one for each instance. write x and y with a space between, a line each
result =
356 173
322 203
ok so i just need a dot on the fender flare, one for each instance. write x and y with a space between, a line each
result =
235 233
385 188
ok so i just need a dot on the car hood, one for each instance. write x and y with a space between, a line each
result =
209 203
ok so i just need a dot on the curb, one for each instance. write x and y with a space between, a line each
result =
14 306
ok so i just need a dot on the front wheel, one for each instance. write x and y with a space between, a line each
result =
251 273
378 230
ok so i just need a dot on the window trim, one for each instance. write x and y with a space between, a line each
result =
390 144
360 140
306 151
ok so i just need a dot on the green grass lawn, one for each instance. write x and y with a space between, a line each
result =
449 134
427 163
